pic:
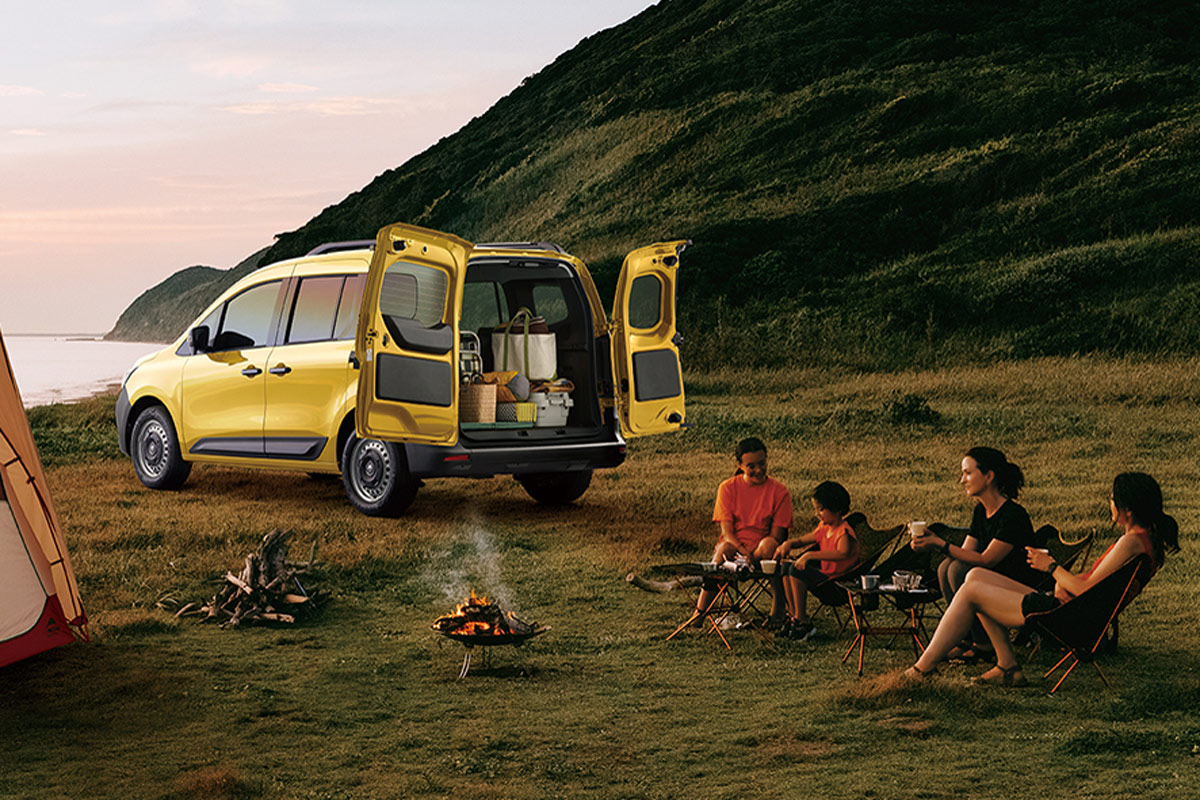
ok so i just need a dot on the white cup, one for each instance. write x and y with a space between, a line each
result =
768 567
870 582
917 529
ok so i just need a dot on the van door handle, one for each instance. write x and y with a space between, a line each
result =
250 372
282 369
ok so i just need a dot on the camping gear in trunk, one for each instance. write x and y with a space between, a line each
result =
527 344
477 401
552 408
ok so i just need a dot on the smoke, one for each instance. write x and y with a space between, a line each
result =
469 562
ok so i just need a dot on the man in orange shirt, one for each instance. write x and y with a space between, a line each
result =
754 512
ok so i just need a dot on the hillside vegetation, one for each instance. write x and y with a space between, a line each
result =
879 184
161 313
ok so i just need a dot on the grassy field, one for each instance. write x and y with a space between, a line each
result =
361 701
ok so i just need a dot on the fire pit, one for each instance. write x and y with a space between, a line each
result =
477 621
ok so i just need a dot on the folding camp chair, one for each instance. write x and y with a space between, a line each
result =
872 545
1080 624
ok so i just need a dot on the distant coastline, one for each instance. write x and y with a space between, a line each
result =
66 368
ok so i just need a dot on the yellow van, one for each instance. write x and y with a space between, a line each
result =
350 359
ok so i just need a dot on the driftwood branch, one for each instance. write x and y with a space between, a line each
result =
664 586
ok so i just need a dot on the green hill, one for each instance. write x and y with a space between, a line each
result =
160 313
873 183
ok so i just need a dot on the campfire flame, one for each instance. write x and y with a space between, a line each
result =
478 616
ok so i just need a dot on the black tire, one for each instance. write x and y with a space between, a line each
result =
556 488
154 448
375 476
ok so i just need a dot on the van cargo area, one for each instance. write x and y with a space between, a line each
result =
495 290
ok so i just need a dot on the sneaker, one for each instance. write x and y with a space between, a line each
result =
731 622
801 631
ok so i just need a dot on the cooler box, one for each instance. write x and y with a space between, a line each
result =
552 408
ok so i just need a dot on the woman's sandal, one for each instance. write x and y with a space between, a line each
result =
1009 676
970 654
915 674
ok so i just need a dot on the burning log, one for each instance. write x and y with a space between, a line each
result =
478 616
477 621
265 589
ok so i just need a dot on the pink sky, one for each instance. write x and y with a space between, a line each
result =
138 138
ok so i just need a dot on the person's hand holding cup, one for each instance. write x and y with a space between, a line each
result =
1039 558
919 533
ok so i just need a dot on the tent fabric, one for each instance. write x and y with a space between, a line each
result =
39 598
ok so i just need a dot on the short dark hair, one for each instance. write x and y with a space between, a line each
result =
750 444
833 496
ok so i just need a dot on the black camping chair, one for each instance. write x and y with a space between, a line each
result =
1079 625
872 545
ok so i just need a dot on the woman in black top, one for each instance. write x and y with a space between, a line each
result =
1000 532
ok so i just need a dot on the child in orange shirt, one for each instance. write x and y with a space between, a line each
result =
835 553
754 512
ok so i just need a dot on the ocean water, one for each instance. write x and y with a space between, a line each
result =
59 369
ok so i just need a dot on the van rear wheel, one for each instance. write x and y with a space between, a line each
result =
375 476
154 448
556 488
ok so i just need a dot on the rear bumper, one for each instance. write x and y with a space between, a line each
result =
458 461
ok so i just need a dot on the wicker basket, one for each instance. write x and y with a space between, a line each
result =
477 402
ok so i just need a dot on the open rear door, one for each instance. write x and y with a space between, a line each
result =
407 341
645 344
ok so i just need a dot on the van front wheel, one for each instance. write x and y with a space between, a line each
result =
375 475
556 488
155 450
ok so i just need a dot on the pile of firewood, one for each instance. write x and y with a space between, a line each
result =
268 589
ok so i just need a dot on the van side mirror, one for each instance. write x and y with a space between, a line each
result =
199 338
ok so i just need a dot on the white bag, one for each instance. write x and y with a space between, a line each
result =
516 346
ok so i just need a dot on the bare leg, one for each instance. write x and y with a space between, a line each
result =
801 587
722 552
790 589
766 550
999 601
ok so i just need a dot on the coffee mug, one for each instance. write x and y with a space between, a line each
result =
768 567
870 582
917 529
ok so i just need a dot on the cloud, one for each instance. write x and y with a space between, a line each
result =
286 88
132 104
231 66
8 90
326 107
27 132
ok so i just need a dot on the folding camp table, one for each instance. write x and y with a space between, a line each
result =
738 592
909 603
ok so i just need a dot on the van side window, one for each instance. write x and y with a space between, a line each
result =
347 314
414 291
315 309
483 305
645 302
248 318
548 302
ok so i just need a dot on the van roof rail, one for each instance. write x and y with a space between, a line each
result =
338 247
551 246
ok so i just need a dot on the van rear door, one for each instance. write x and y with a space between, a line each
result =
407 338
645 344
